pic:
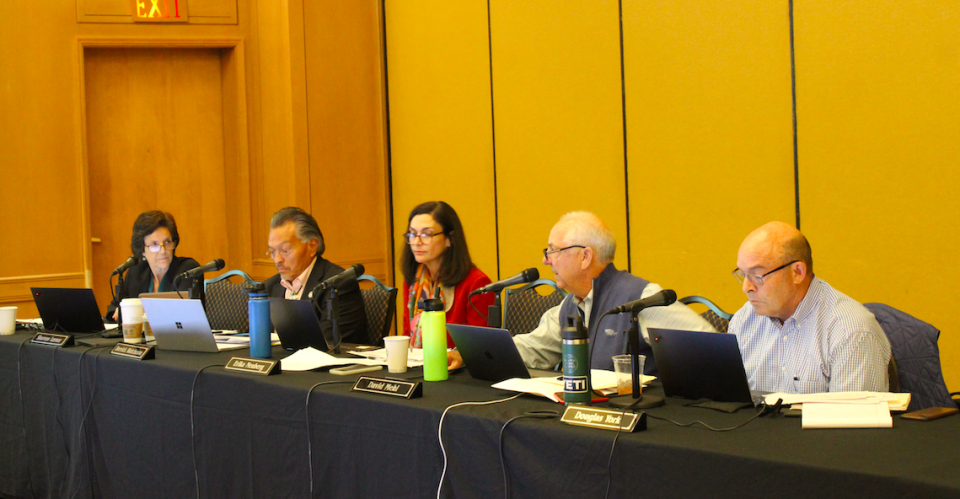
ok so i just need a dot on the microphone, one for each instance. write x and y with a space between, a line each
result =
661 299
124 266
351 273
210 267
528 275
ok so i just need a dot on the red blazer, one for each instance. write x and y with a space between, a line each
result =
461 312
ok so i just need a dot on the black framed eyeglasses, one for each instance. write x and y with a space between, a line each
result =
156 247
425 238
547 251
757 279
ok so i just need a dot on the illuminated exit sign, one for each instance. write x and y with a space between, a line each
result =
163 11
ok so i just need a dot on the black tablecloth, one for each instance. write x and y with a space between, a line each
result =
249 438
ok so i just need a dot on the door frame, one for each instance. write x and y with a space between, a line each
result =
235 137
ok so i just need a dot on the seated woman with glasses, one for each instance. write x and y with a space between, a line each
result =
436 256
154 242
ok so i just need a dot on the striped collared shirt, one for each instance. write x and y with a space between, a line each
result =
831 343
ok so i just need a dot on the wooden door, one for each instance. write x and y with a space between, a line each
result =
154 141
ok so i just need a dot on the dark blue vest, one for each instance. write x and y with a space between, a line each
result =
611 288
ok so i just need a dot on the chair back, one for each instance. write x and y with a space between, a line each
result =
523 306
717 318
380 306
227 301
913 345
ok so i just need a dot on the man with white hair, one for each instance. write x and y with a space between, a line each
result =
580 252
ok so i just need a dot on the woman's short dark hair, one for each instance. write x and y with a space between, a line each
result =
455 262
146 224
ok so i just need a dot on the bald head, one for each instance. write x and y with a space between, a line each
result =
779 242
777 268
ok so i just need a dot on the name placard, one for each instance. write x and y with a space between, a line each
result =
389 386
53 340
139 352
253 366
605 419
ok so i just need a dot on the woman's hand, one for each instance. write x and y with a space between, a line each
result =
454 360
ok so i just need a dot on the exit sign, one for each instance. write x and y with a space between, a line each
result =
162 11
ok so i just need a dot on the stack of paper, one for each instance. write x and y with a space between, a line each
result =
551 386
896 401
310 358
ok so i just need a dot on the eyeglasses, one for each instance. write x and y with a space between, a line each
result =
168 244
424 238
284 253
757 279
547 251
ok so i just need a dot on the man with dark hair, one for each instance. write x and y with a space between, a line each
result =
296 247
797 334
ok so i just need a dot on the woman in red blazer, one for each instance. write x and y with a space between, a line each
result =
436 255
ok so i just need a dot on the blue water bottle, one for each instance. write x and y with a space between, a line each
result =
575 353
259 310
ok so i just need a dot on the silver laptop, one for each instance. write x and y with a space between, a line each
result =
490 354
182 325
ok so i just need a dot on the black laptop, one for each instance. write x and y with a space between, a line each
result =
698 365
490 354
297 325
70 310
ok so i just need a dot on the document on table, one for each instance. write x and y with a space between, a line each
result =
846 415
414 356
310 358
549 386
896 401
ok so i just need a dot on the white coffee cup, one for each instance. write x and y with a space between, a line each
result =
8 320
397 349
131 309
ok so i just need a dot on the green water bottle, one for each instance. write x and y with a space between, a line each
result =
433 334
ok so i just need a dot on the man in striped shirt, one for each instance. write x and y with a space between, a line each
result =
797 334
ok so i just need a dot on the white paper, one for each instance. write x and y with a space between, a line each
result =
846 415
414 356
310 358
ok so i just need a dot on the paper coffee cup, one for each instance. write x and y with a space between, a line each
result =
397 349
8 320
131 309
147 332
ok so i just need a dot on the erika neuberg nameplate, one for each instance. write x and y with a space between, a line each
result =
53 340
139 352
389 386
253 366
604 419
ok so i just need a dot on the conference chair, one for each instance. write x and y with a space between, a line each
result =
523 306
913 344
717 318
227 301
380 306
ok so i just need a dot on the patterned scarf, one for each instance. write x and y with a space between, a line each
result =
422 289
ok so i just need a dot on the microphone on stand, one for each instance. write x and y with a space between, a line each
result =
130 262
351 273
661 299
213 266
529 275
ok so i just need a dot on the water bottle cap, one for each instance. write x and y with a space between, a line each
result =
574 329
257 289
434 304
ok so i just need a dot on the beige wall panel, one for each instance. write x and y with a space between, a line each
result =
41 216
441 139
559 134
710 141
878 116
347 141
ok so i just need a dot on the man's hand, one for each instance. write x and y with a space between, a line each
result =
454 360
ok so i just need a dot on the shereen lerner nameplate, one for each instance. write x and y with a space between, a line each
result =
53 340
253 366
605 419
139 352
389 386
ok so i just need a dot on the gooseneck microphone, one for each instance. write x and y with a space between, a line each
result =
528 275
351 273
661 299
124 266
210 267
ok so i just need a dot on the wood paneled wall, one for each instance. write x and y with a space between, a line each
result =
275 150
673 120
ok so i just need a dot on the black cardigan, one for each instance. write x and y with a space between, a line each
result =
139 277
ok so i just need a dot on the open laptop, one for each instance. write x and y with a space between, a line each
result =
490 354
183 325
297 325
696 365
71 310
